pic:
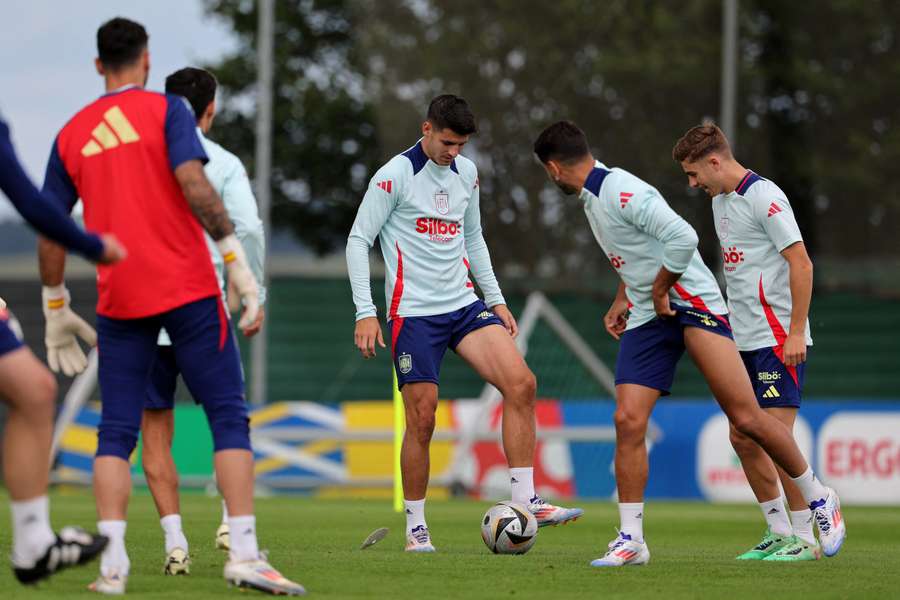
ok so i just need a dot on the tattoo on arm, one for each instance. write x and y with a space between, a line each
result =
203 199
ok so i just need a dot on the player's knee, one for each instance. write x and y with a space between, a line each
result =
740 442
747 425
421 426
630 426
521 389
42 400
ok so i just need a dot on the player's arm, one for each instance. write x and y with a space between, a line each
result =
43 214
616 318
801 281
186 159
480 262
654 217
237 196
373 213
782 229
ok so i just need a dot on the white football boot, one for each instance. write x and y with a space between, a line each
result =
223 538
624 551
177 563
832 529
111 585
260 575
548 514
419 540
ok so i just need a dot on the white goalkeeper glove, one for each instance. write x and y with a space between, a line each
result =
63 351
2 303
242 287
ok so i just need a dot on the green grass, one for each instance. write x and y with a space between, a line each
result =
316 542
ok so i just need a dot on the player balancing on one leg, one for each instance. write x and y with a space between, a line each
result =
136 161
667 301
424 206
227 175
768 277
29 392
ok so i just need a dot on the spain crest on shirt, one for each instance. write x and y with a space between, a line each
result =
442 202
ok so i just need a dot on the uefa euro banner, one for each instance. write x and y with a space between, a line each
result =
346 449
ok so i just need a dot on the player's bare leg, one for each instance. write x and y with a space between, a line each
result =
717 358
29 391
634 403
157 432
784 536
420 399
492 352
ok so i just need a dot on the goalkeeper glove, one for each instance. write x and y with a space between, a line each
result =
63 351
2 303
241 283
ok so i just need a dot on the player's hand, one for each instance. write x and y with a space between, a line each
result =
256 325
661 305
616 318
242 289
795 349
113 250
62 325
367 331
509 321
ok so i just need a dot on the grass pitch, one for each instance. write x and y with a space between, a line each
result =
316 542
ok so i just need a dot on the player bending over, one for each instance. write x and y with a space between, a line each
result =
228 177
667 301
768 278
29 392
424 206
135 160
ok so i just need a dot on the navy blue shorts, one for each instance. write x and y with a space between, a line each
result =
9 341
775 385
418 344
649 354
206 355
163 380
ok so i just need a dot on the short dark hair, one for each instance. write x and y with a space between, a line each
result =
699 142
196 85
449 111
120 42
563 141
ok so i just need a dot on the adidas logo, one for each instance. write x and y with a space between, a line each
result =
113 130
774 209
513 480
774 511
409 512
640 515
385 185
771 393
624 197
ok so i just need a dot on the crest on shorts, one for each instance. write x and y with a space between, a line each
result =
723 228
404 363
442 202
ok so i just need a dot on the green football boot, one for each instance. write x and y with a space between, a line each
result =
770 544
797 550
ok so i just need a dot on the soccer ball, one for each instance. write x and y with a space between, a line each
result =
509 528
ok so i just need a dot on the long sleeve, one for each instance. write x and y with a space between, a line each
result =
37 208
240 204
373 213
657 219
477 251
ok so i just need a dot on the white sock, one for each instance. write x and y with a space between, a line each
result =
415 513
224 512
810 486
521 480
631 520
32 534
243 538
802 522
171 525
776 516
114 559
